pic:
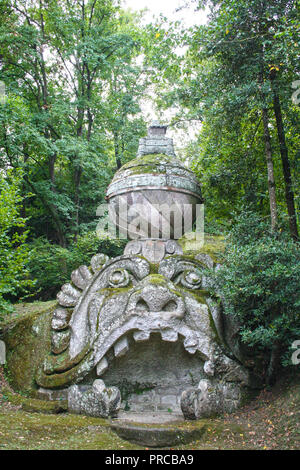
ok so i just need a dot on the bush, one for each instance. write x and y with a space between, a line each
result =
52 265
14 251
259 282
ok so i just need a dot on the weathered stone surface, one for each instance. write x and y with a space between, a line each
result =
60 318
206 259
188 403
68 296
156 142
209 399
169 335
124 306
152 436
26 342
81 277
102 366
141 335
60 341
34 405
209 368
158 417
155 195
97 400
121 347
146 321
51 395
98 261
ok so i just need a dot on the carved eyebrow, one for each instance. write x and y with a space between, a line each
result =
134 264
170 267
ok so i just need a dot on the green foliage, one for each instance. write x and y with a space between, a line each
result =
227 76
51 265
14 251
71 114
259 282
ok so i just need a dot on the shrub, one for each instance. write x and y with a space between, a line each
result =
259 282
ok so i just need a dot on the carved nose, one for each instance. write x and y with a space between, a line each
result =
160 299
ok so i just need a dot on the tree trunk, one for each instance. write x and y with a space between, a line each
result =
274 363
289 194
270 168
78 168
117 151
268 149
53 211
77 178
51 165
23 210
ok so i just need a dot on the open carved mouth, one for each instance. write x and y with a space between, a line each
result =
124 301
140 327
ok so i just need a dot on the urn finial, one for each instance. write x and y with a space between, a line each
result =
156 129
156 141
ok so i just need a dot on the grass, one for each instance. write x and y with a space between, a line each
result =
269 422
34 431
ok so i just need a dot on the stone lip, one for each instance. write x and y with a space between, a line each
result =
158 436
161 417
154 182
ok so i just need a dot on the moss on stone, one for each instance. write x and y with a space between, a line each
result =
158 279
152 164
151 160
23 310
200 295
27 340
38 431
34 405
112 291
214 329
173 434
214 246
127 388
62 379
63 362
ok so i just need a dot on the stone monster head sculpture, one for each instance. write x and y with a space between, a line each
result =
145 323
110 308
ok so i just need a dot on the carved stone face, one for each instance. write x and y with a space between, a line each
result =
116 309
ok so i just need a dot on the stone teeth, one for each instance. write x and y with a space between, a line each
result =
121 347
191 345
209 368
169 335
141 336
102 366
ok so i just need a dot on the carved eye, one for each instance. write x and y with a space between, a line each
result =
190 279
119 278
